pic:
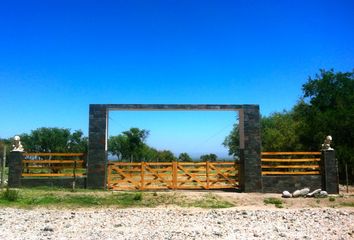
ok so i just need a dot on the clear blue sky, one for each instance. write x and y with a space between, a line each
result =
57 57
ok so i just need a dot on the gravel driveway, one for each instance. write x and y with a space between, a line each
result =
176 223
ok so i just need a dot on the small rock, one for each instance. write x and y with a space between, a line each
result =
286 194
314 193
301 193
48 229
282 235
323 194
304 191
296 193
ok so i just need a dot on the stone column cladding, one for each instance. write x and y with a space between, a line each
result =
15 169
97 151
250 155
329 172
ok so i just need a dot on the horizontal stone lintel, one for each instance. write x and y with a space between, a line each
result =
171 107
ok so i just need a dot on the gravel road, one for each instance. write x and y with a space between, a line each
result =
176 223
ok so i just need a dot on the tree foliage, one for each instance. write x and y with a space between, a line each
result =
129 145
279 132
166 156
5 144
184 157
54 140
232 142
327 108
209 157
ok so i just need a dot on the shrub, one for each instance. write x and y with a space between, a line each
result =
11 195
138 196
277 202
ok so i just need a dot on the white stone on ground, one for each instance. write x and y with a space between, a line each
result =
301 193
286 194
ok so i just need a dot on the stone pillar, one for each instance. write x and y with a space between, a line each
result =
15 169
250 149
97 147
329 172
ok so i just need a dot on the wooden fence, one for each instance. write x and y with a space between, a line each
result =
291 163
172 175
53 165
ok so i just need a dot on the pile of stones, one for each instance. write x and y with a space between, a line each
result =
305 192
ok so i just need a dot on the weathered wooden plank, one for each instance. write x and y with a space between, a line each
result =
220 173
52 161
123 164
291 160
159 163
55 154
290 173
51 174
158 175
291 166
291 153
186 172
53 167
222 186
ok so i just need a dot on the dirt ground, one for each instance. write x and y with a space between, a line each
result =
256 200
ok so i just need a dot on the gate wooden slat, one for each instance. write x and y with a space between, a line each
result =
192 176
219 172
159 176
126 177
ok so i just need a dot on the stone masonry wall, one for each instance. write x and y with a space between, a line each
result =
278 184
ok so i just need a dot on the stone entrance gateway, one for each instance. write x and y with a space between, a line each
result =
250 177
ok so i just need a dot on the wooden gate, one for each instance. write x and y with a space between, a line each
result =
172 175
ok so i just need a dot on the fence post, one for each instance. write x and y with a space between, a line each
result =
329 172
142 175
207 174
15 169
3 164
174 175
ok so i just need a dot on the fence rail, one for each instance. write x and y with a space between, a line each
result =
53 165
291 163
172 175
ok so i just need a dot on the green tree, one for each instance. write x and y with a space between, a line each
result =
184 157
150 154
209 157
3 143
129 145
136 139
54 140
78 142
327 108
232 142
118 146
279 132
166 156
